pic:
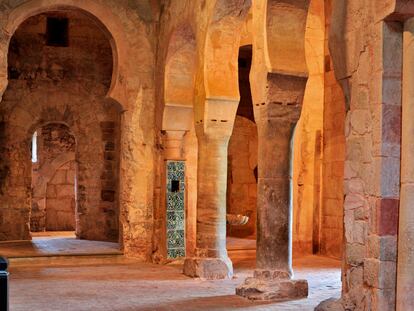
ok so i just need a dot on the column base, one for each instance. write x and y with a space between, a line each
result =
331 304
272 285
208 268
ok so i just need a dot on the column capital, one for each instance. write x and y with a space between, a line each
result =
172 141
215 119
214 131
283 100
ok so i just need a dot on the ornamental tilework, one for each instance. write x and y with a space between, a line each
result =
175 209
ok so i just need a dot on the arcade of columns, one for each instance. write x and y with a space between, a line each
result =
175 86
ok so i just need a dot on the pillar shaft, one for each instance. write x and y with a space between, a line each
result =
211 261
276 119
274 209
405 268
211 195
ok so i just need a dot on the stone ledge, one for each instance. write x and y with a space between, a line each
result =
264 287
208 268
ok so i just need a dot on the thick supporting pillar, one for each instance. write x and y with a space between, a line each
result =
211 261
276 120
405 265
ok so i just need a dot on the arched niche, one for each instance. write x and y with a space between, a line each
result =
69 85
217 93
179 80
279 42
104 19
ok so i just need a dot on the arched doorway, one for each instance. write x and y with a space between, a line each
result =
54 179
60 67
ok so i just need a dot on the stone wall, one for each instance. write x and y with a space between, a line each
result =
60 199
59 84
368 65
332 219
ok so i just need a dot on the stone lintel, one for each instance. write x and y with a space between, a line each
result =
208 268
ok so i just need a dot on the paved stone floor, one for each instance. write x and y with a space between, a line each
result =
65 244
81 285
56 244
239 244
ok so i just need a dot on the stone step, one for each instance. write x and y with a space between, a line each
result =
69 260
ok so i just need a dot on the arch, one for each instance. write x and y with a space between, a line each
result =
180 67
222 48
47 172
132 89
105 19
218 62
179 79
42 173
92 116
42 123
279 47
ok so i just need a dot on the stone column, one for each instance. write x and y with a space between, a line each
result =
211 261
276 120
405 265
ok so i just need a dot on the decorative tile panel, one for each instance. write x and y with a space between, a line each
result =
175 209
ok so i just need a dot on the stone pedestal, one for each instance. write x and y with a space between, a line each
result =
211 261
276 120
208 268
272 285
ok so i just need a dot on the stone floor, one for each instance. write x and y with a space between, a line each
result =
64 243
89 285
240 244
56 244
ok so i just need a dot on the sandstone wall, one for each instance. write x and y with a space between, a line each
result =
367 58
332 215
60 199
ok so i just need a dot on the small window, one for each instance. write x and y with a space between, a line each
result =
175 185
57 33
34 148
